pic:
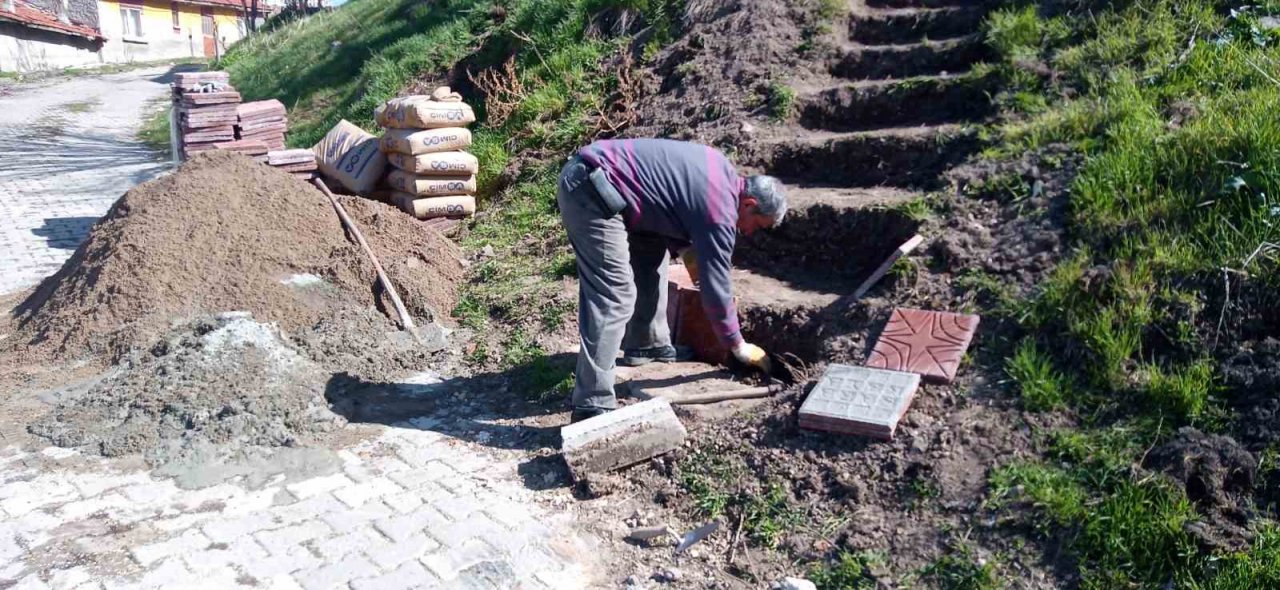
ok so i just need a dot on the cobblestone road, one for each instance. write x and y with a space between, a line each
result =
69 151
409 508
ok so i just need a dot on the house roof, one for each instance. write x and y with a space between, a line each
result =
243 5
25 14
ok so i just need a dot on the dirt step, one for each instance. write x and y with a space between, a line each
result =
803 196
872 62
898 26
902 157
917 101
927 3
790 280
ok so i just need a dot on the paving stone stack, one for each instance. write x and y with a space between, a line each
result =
299 162
424 139
206 105
264 121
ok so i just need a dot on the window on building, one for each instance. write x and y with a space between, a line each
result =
131 17
177 22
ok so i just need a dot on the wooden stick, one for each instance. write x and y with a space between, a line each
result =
875 277
710 398
405 319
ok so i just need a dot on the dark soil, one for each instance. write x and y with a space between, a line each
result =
915 497
712 84
1219 476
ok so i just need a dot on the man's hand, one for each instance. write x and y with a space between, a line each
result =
690 259
752 355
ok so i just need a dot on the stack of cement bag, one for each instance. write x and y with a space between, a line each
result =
263 121
205 105
300 163
424 137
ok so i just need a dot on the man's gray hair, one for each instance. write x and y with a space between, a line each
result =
770 196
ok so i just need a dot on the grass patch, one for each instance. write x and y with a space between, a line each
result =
959 569
781 101
849 571
83 106
155 128
714 479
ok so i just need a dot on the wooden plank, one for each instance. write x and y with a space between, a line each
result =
875 277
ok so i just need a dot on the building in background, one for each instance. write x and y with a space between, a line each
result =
49 34
147 30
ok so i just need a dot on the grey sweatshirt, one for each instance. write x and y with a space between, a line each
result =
688 193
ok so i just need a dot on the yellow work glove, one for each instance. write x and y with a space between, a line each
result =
753 356
690 260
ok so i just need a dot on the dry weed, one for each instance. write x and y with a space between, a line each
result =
503 91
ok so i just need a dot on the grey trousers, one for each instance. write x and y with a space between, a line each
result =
622 287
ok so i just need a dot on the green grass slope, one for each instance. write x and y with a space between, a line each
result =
1174 103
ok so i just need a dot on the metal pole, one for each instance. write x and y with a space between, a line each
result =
174 143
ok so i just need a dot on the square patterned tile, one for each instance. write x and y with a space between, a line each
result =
930 343
859 400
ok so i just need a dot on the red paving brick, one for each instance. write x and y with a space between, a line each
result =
930 343
687 320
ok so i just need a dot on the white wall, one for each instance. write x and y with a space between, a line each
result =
23 49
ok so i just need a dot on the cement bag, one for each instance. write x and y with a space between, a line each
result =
430 207
350 155
421 112
437 164
432 186
413 142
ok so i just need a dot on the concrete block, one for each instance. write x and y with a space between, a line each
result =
621 438
859 400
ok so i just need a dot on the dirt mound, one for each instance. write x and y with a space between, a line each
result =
224 380
1218 475
226 234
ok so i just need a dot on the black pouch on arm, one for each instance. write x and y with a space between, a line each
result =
610 199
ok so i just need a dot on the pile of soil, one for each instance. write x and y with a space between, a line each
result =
712 85
214 306
223 233
1218 475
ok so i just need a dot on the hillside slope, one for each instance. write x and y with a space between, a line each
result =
1096 179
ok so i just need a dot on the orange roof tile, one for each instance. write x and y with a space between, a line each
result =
25 14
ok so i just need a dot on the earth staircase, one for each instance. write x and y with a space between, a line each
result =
878 129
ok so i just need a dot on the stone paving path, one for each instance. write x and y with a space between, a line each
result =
410 508
69 151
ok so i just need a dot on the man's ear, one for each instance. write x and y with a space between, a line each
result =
748 202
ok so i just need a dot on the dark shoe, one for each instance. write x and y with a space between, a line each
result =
580 414
663 354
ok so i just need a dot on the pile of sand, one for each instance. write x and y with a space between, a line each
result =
225 297
226 234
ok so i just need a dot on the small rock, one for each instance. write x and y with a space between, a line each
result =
648 533
797 584
634 583
748 128
671 574
486 252
484 438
